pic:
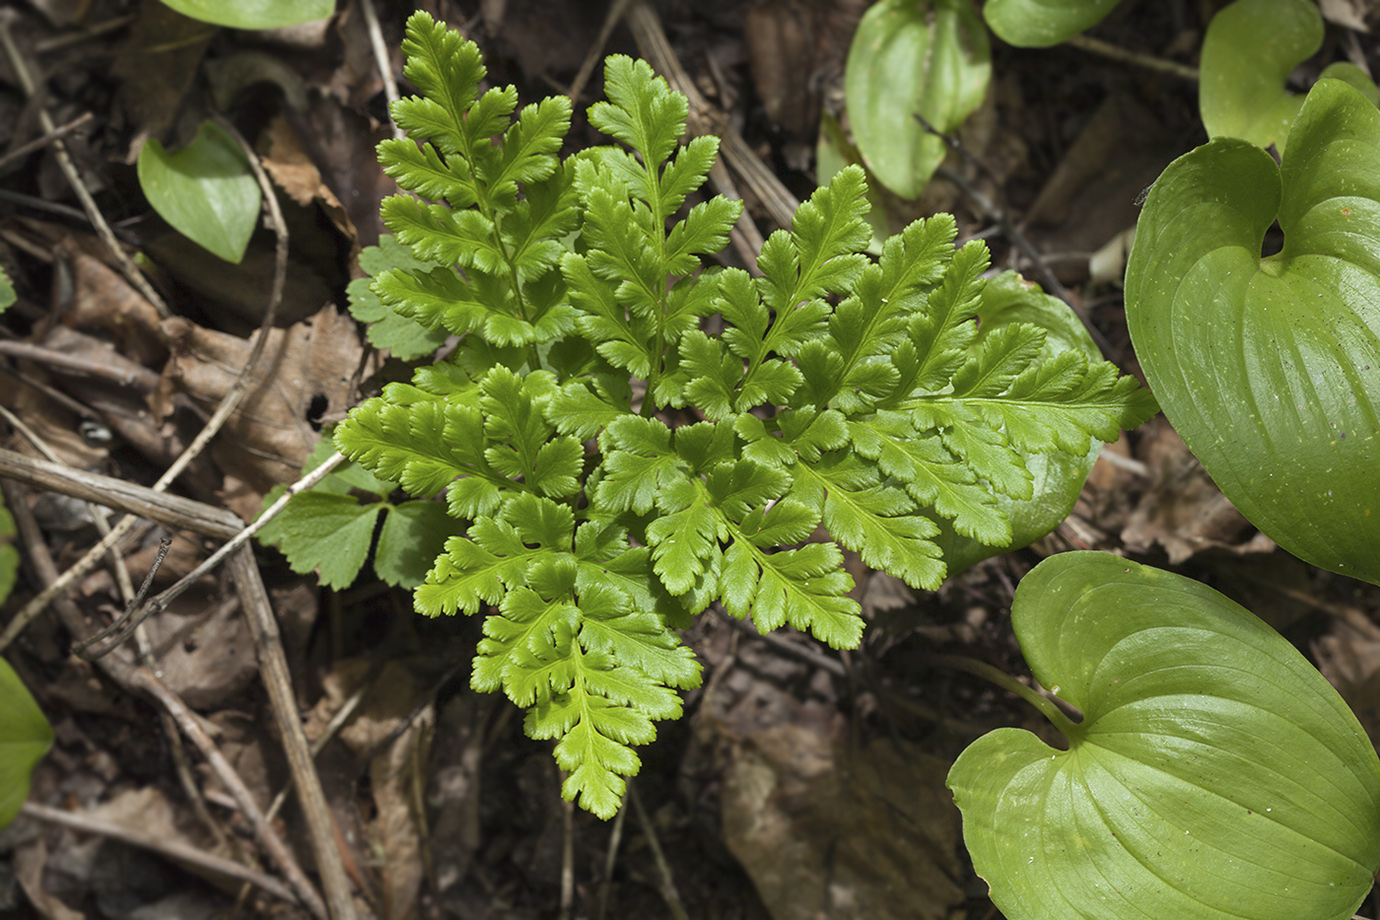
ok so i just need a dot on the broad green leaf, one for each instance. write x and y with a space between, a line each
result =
929 57
1268 366
1041 23
1248 53
413 534
205 190
25 737
1057 477
254 14
1215 774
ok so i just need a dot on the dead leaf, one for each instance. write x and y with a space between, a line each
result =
825 828
29 861
292 169
305 373
1184 511
105 304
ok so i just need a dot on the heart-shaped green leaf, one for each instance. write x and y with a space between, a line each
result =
1215 775
205 190
929 57
1270 368
254 14
1008 298
25 737
1249 51
1041 23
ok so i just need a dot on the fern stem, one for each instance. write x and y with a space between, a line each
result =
999 677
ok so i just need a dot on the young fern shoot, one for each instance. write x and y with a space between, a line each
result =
610 467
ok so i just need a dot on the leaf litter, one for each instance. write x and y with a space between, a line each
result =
798 788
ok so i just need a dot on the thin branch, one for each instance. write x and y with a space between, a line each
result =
145 382
177 852
381 59
143 679
39 143
1137 58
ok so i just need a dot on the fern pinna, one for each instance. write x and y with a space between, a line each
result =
612 467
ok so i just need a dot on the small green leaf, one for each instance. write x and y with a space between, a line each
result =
406 338
1215 773
25 737
205 190
254 14
1268 366
929 57
1041 23
413 534
325 531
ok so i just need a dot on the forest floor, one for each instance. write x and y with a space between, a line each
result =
802 783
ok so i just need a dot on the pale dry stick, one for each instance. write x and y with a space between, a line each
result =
228 403
1139 59
143 679
160 602
39 143
273 667
18 624
20 68
577 86
118 666
145 382
567 859
97 512
611 860
182 513
669 894
170 849
381 59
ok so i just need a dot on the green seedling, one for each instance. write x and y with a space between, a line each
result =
909 57
254 14
1041 23
205 190
610 468
1214 774
1249 51
1268 366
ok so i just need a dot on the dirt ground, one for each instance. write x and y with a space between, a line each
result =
802 783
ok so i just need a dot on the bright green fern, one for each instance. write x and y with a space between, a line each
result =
613 467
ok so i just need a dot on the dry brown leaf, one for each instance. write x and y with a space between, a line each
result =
306 373
824 828
103 303
1184 511
286 160
28 862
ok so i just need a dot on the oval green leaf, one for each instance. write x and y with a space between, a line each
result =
1041 23
1008 298
254 14
1270 367
929 57
1215 775
25 737
205 190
